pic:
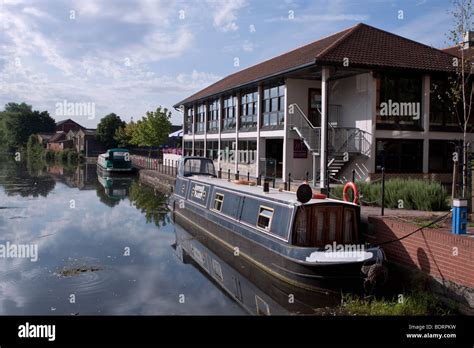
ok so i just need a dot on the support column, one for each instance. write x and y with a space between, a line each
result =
237 122
426 122
194 127
185 128
219 118
324 127
259 122
286 152
205 105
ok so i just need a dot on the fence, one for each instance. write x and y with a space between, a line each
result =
168 167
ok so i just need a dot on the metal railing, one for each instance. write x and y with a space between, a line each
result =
300 123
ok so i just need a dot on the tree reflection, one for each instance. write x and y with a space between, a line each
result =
153 204
20 179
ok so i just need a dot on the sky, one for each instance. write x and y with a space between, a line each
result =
129 57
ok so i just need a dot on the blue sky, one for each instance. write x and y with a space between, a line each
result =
130 56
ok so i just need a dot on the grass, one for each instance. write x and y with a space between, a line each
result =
415 303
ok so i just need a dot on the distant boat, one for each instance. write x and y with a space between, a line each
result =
115 160
306 240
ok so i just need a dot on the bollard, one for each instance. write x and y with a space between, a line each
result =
228 174
237 175
248 176
259 180
289 181
353 175
219 175
307 176
274 179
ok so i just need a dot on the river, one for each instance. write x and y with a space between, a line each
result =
109 246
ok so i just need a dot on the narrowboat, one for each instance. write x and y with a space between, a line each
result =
115 160
311 242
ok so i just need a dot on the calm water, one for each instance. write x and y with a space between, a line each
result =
109 244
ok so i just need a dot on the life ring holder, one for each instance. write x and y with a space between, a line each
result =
353 187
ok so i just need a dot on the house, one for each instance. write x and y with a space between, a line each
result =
360 99
59 142
67 125
43 138
85 141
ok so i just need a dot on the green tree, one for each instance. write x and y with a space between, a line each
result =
153 129
19 121
107 128
124 135
461 88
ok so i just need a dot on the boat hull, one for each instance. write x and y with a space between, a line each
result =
323 278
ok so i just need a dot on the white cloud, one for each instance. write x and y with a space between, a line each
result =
319 18
225 13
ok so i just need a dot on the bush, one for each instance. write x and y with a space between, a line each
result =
411 193
72 157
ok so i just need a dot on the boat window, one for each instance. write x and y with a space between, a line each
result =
349 222
199 166
265 216
218 201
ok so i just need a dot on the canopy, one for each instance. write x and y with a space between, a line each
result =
177 134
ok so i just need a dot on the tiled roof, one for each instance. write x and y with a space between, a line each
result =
57 137
363 45
456 50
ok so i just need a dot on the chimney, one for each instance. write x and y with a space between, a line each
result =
468 40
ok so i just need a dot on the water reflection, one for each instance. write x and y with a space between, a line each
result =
126 263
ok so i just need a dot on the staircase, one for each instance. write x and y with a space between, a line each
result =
344 143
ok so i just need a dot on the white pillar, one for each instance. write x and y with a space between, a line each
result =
205 104
259 120
237 122
194 127
219 118
286 141
426 122
324 126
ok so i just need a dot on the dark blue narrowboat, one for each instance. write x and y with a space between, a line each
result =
312 243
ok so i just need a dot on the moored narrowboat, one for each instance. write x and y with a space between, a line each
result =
115 160
312 243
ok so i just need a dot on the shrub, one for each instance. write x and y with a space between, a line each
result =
72 157
409 193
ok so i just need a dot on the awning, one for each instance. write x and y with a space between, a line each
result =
177 134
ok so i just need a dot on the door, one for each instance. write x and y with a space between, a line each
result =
314 106
274 150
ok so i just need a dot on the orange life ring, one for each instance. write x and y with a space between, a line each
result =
353 187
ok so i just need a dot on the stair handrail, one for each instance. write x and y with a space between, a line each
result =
301 114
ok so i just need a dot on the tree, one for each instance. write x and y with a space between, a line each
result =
107 128
19 121
153 129
460 91
124 135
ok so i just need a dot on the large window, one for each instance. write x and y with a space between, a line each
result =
247 151
200 118
400 156
229 113
199 148
213 116
273 106
189 120
443 115
248 110
399 102
441 156
188 148
228 151
212 148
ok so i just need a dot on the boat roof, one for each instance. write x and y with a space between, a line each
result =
117 149
274 194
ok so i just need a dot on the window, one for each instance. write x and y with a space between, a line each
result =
188 148
399 102
441 155
199 148
212 149
247 151
228 149
228 116
213 116
399 156
189 120
273 106
200 118
265 216
248 110
218 201
443 113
